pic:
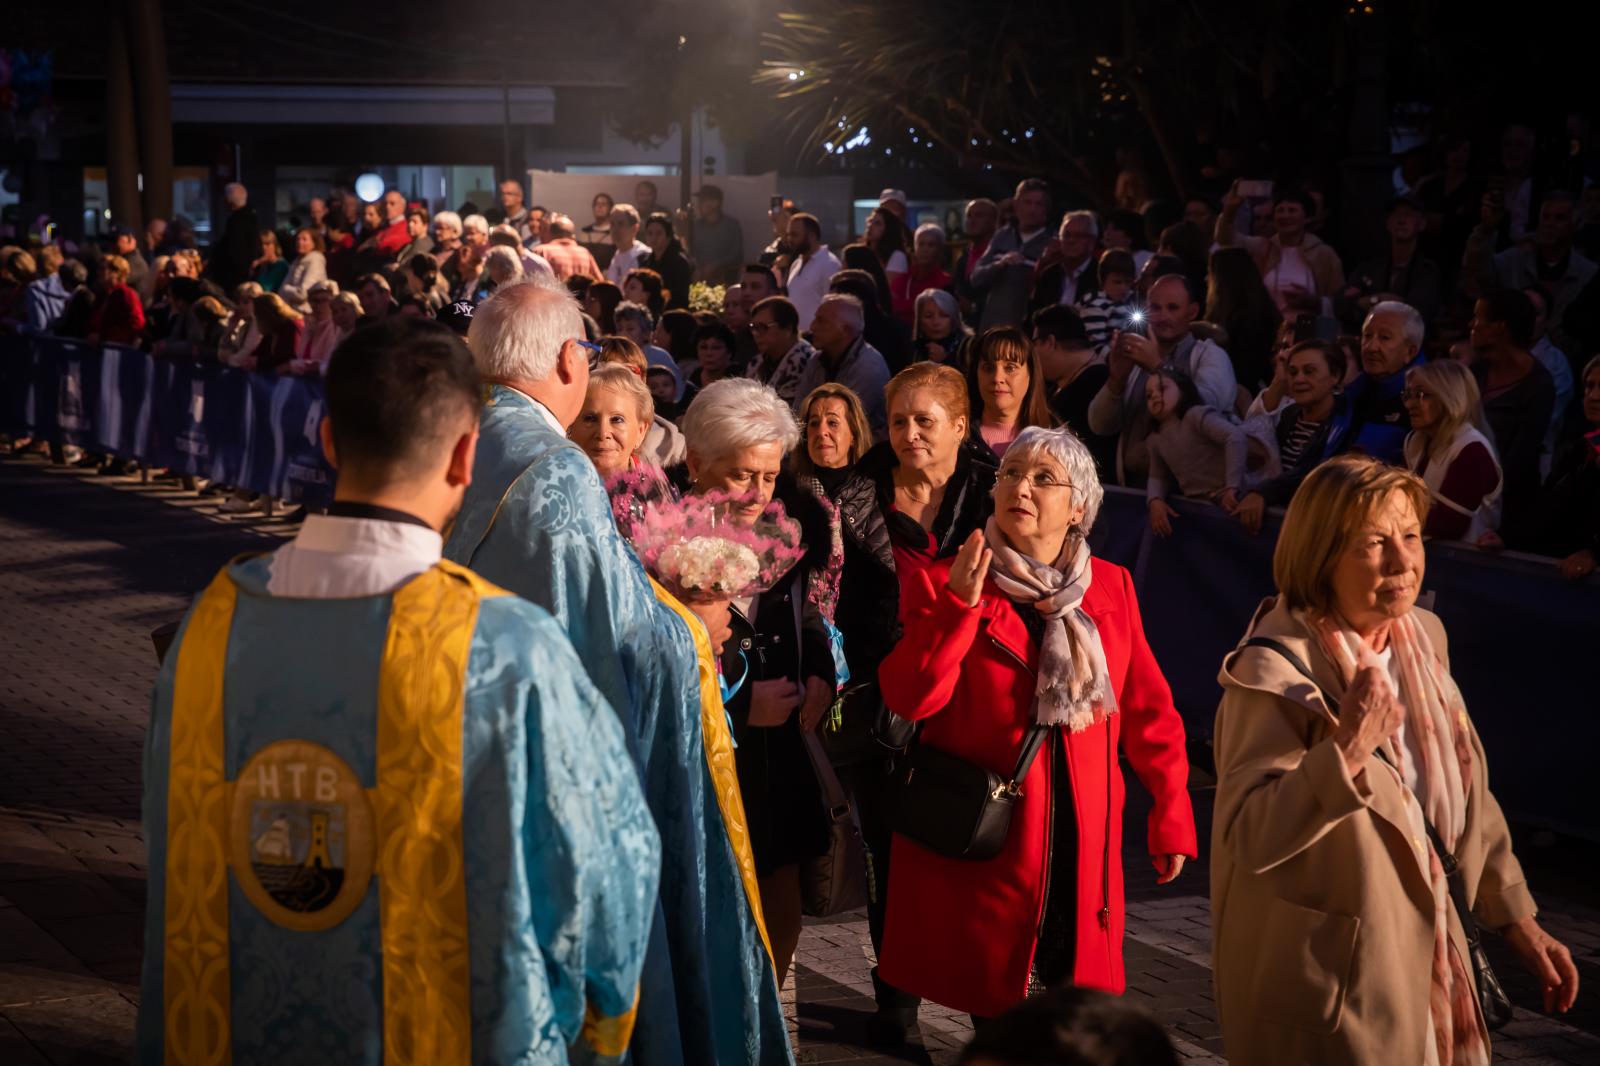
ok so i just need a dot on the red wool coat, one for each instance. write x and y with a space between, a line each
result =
963 933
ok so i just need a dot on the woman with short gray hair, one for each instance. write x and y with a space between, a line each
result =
738 432
1024 656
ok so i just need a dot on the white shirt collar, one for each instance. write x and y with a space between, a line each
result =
336 557
538 405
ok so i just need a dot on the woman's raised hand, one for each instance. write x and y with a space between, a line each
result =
970 569
1368 715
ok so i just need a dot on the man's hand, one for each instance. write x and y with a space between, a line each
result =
1141 350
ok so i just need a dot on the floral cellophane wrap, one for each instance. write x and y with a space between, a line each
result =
694 546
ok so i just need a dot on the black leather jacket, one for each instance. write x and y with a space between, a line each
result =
869 594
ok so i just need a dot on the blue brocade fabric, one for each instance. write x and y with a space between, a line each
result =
561 852
537 521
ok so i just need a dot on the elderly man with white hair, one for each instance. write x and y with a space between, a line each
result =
240 244
536 520
844 356
1391 344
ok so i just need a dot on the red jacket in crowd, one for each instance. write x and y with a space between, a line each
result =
963 933
118 318
393 237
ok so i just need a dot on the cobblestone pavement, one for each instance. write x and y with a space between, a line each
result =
89 565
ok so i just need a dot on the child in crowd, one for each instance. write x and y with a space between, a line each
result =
1107 310
1204 450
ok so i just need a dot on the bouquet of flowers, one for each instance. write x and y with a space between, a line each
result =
694 547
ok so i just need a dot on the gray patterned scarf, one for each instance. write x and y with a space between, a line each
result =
1074 688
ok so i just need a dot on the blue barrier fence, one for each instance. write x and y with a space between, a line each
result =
1520 635
1520 638
253 431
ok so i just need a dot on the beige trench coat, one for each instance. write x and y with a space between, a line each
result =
1322 919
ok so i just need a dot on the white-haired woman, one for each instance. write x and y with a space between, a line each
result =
938 332
617 414
738 432
501 266
1341 739
927 273
1025 637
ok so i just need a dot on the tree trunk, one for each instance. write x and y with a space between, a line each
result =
148 51
122 134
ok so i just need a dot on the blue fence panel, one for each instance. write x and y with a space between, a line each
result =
253 431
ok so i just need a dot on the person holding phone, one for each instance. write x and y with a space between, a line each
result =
1004 276
1302 273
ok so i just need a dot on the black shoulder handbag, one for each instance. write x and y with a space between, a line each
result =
1492 998
956 808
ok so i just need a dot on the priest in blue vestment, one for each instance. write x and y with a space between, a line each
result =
389 819
537 520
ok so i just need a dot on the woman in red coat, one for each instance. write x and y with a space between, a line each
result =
996 641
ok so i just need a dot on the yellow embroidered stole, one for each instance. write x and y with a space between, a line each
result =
417 801
719 757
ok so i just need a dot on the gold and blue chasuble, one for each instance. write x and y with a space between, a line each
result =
388 830
537 521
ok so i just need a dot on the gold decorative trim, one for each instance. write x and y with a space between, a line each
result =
427 1016
719 759
196 994
610 1036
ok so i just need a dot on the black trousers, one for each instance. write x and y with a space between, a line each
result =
868 782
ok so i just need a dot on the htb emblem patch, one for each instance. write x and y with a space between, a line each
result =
301 839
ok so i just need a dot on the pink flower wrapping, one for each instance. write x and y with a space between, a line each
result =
694 547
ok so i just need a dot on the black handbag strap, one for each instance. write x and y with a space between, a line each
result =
1452 869
1031 742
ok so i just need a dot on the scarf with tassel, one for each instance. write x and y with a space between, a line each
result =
1437 757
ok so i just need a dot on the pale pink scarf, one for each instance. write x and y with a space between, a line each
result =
1436 724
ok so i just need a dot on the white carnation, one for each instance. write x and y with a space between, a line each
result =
711 564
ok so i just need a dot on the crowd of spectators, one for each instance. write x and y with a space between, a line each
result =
1216 350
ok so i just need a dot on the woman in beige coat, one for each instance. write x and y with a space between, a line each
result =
1335 937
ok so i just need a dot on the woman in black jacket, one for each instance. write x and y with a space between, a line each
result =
908 502
667 259
777 666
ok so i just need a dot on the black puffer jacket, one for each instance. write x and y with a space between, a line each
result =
869 593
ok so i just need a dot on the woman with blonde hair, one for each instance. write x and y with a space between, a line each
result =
1451 449
1356 846
281 327
617 414
270 268
837 435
